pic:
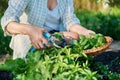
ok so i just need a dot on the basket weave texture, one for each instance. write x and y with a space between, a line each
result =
99 50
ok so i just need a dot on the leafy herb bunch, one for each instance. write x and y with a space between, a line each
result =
67 63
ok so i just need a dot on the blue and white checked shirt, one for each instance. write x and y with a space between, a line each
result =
36 11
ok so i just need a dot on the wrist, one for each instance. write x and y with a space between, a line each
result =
77 28
28 29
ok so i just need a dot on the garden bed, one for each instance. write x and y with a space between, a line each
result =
110 58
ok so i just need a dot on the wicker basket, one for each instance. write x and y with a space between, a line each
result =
98 50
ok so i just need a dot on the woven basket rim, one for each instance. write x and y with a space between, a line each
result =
99 50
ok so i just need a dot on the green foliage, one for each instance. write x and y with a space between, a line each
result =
68 63
58 35
104 73
3 5
107 24
4 42
114 2
17 66
52 64
115 11
93 41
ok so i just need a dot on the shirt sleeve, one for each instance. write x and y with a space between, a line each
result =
13 12
69 17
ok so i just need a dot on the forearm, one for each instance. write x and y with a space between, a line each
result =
18 28
34 33
77 28
80 30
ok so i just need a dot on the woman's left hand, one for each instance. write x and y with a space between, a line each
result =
70 35
80 30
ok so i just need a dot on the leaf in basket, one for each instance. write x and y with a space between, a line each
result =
87 46
82 38
92 41
100 40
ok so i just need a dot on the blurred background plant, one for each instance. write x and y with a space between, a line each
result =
102 16
4 41
3 5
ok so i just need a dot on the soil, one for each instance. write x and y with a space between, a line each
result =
6 75
111 59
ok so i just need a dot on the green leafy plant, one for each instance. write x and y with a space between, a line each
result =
3 5
104 72
68 63
93 41
4 41
58 35
101 22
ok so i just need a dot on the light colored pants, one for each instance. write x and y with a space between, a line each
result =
20 45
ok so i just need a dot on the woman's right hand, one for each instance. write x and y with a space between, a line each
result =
35 33
36 36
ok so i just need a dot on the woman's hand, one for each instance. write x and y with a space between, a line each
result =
35 33
37 38
81 30
70 35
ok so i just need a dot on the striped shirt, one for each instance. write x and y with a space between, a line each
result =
35 12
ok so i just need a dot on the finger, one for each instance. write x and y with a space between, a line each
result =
36 46
43 29
89 31
75 36
41 46
45 42
71 35
46 45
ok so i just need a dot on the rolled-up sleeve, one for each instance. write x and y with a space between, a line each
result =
69 17
13 12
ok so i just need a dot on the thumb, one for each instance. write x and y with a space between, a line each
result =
43 30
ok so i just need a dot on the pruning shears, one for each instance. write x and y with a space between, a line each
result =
52 40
